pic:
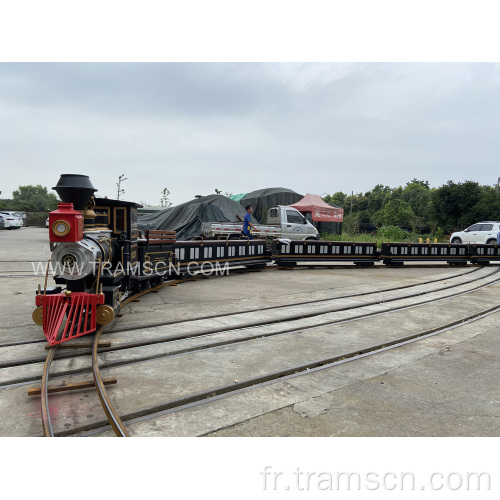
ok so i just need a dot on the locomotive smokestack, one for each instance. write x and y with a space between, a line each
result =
76 189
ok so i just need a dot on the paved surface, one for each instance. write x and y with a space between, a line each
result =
443 386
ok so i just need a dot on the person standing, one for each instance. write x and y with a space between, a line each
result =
247 225
498 238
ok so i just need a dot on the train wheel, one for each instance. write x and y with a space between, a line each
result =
38 316
105 314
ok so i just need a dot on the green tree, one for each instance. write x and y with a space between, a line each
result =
454 203
488 207
377 197
350 224
34 199
418 195
397 213
337 198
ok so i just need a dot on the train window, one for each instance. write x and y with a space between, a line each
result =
444 251
120 220
191 253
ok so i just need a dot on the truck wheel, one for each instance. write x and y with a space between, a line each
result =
456 240
491 242
312 238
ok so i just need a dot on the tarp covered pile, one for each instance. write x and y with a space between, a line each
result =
186 218
262 199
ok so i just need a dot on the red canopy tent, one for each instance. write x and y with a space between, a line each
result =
319 210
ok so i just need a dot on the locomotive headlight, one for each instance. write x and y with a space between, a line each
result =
61 228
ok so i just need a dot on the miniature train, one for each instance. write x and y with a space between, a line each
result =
100 257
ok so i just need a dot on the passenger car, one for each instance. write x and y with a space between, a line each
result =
2 223
12 221
481 232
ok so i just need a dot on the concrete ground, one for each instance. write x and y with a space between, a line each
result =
445 385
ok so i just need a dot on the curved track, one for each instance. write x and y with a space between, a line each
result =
295 370
215 393
250 324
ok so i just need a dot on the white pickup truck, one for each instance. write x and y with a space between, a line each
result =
282 222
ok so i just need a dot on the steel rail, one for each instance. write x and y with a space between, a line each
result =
215 393
113 418
309 302
46 422
255 324
259 309
107 406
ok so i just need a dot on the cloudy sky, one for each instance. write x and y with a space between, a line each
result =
194 127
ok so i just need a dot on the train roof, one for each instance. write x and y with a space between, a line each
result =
116 203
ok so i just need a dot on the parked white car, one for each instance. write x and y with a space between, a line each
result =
12 220
481 232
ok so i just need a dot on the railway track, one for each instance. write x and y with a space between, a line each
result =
289 305
250 382
260 309
111 414
241 386
250 330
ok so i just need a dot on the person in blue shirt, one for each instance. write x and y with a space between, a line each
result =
247 225
498 238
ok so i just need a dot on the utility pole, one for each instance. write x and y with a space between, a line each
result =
352 196
498 182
